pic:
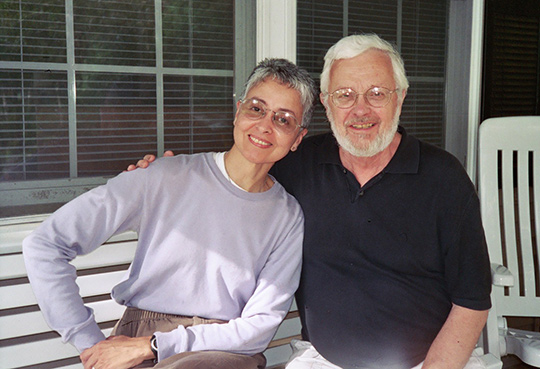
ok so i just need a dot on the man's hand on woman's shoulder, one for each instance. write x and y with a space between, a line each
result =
146 160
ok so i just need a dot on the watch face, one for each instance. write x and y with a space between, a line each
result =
153 344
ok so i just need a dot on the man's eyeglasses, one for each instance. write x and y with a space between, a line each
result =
254 109
377 97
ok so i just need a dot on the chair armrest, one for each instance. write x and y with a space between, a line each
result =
489 360
501 276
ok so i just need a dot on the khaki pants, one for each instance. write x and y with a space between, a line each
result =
137 323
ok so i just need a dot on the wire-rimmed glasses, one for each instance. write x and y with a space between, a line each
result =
378 97
255 109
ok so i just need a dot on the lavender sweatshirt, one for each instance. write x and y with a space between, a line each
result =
205 248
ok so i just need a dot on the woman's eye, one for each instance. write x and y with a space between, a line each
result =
283 121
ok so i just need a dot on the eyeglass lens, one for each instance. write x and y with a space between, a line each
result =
377 97
283 121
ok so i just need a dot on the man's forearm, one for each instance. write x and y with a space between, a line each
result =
456 340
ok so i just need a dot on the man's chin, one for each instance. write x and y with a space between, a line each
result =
359 149
363 147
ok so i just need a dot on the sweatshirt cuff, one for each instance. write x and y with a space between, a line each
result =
171 343
86 337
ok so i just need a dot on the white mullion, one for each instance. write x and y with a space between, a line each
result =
23 103
475 86
276 29
115 69
72 89
160 120
191 83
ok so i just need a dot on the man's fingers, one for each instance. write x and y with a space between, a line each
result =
143 163
146 160
149 157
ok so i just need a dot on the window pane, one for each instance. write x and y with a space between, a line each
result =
116 121
198 34
119 32
36 28
319 26
423 48
422 113
34 125
380 17
198 113
423 44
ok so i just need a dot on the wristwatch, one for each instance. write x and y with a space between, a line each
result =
153 346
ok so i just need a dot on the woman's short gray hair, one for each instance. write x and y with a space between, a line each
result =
354 45
289 74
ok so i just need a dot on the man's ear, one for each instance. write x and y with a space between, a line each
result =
323 99
403 94
402 98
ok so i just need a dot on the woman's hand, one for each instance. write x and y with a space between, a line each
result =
117 352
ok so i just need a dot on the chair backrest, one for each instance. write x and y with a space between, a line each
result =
509 189
26 340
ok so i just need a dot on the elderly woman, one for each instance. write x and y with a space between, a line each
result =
219 250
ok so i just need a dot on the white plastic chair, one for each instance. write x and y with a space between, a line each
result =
509 189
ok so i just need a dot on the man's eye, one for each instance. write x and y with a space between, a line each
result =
255 109
346 96
378 95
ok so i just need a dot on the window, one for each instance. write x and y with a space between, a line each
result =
417 27
511 59
88 86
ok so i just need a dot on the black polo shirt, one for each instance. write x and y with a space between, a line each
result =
383 263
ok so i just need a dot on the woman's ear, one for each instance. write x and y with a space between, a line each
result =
298 139
238 103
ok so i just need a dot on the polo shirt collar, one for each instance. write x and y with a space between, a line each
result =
406 160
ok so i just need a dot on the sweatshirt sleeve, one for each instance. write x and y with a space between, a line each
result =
78 228
264 311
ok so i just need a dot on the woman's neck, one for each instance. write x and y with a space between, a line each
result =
249 176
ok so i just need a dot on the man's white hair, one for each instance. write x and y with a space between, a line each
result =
352 46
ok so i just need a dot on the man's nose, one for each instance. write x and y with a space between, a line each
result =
361 106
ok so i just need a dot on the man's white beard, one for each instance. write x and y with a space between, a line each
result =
372 148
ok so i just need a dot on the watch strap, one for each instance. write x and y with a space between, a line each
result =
153 345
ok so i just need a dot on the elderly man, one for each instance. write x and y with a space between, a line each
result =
395 268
